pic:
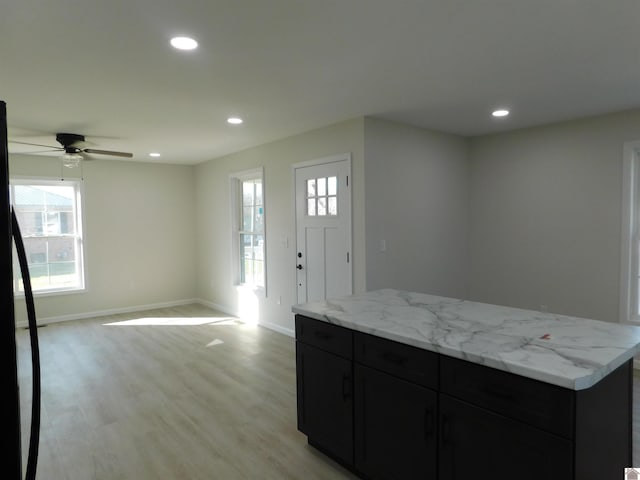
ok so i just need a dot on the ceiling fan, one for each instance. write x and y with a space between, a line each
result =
71 149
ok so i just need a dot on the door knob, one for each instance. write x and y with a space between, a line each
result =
299 267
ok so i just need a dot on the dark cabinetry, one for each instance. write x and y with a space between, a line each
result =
476 441
368 402
395 409
502 420
388 410
324 372
503 423
396 427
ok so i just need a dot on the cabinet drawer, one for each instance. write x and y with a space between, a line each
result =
400 360
323 335
539 404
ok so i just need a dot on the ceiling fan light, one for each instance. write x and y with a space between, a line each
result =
71 160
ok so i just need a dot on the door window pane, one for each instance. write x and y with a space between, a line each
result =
322 187
333 206
332 185
322 206
322 197
311 188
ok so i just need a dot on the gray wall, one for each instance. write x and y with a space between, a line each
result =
545 216
526 219
417 184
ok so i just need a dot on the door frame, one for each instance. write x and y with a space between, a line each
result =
312 163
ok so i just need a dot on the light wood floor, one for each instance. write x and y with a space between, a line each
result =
214 400
179 393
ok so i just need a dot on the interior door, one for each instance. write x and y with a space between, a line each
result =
323 229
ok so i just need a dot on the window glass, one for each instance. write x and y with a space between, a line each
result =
333 185
250 231
322 197
48 213
322 187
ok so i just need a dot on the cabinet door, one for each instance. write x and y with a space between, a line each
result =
325 400
395 429
477 443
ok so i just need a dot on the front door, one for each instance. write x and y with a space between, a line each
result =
323 229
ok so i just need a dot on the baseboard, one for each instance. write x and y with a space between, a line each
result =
278 328
139 308
218 307
229 311
102 313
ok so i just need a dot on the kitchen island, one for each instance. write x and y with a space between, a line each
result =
396 384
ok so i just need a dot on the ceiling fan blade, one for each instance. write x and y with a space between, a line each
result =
108 152
36 145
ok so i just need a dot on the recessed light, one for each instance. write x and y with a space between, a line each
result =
234 120
184 43
500 112
154 154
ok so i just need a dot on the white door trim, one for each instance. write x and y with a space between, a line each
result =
321 161
311 163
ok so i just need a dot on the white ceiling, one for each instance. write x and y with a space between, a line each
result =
105 68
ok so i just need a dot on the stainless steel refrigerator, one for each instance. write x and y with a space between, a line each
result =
11 467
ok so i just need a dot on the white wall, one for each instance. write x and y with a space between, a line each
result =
546 213
139 236
417 202
213 227
526 218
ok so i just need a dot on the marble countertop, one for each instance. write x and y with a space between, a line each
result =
571 352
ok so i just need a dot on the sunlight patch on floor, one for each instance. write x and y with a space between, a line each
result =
248 304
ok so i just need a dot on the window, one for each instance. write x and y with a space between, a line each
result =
322 197
48 213
630 248
247 201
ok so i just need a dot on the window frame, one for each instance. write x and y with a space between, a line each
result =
236 181
630 247
79 236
